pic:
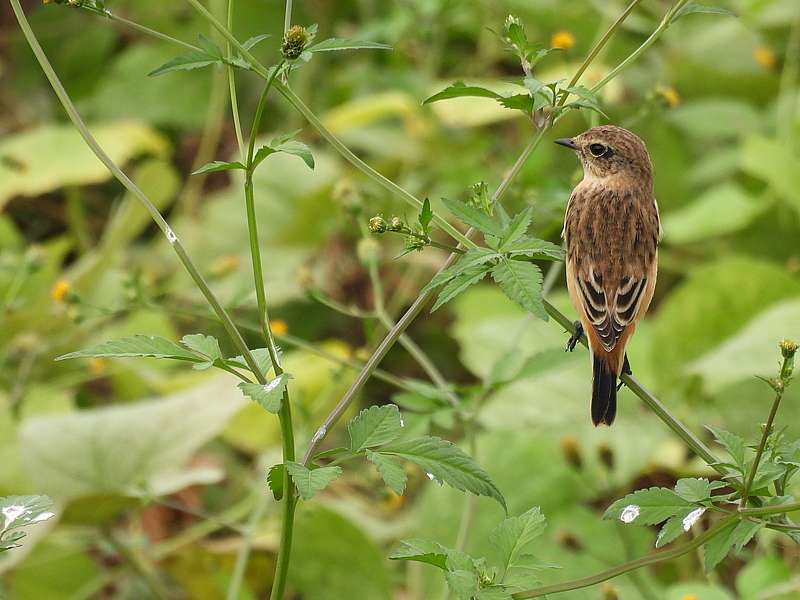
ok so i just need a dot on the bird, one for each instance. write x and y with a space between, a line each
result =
611 234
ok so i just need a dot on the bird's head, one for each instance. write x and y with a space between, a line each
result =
610 151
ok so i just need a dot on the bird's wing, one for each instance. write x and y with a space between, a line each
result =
610 311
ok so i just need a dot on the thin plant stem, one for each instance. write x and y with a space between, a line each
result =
162 224
665 23
650 559
148 31
243 555
237 124
779 387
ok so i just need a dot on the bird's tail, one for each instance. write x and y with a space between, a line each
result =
604 392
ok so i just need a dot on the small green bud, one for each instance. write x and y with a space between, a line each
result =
396 224
788 348
295 41
377 224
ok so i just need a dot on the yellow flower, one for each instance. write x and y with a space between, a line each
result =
765 56
670 95
97 366
60 290
689 597
562 40
278 327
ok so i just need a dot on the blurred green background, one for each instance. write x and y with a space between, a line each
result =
157 468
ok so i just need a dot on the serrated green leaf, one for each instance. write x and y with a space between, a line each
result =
647 507
333 44
514 537
275 480
474 217
269 395
693 490
206 345
138 345
673 528
521 102
261 356
522 283
734 444
209 55
718 546
459 283
374 426
309 482
535 248
219 165
424 551
448 463
20 511
470 259
391 469
463 584
744 532
515 229
249 43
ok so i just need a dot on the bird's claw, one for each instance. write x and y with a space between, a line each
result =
626 370
575 337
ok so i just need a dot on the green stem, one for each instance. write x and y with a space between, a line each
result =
765 511
237 124
162 224
151 32
246 545
764 436
650 559
665 22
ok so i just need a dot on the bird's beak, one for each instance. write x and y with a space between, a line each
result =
568 142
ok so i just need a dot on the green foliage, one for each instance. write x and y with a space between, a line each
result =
269 395
287 145
374 426
309 482
18 512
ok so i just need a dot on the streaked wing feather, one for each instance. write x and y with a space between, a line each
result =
609 319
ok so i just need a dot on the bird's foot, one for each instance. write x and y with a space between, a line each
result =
626 370
575 337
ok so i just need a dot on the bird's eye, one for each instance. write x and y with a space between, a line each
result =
597 150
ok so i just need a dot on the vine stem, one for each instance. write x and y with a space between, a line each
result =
650 559
162 224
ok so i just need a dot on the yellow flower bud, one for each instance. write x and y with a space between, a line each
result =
60 291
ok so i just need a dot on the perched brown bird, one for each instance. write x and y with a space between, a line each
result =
611 231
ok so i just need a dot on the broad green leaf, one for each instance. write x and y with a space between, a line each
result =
522 283
463 584
647 507
261 356
20 511
424 551
459 90
718 546
734 444
275 480
80 454
287 146
332 44
515 229
309 482
693 490
461 282
473 217
673 528
270 395
374 426
694 8
775 163
724 209
744 532
521 102
206 345
392 470
219 165
753 345
514 538
446 462
136 346
68 160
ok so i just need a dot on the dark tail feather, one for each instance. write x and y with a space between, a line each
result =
604 393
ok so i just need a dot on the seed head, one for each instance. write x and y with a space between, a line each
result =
788 348
396 224
295 41
377 224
